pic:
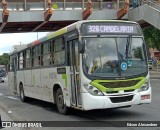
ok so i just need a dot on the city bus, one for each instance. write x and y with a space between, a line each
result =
91 64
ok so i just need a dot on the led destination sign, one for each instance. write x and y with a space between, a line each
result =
110 28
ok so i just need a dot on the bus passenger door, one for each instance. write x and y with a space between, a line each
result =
15 74
75 77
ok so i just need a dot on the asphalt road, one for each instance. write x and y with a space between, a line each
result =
36 110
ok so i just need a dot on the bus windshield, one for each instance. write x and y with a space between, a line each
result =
114 56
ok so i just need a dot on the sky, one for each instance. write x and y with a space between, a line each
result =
8 40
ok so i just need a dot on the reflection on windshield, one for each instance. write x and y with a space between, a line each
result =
114 57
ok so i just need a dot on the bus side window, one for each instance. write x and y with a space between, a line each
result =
53 50
59 52
46 54
12 67
36 56
20 60
33 56
18 65
24 59
42 55
28 58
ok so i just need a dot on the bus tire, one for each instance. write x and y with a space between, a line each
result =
62 108
22 95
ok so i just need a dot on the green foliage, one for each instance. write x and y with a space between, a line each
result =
152 37
4 59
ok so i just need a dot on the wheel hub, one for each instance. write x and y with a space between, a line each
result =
60 101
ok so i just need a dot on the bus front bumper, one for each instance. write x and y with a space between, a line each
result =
102 102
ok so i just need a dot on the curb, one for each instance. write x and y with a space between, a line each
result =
154 77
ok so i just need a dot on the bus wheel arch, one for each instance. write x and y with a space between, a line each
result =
59 99
21 92
55 88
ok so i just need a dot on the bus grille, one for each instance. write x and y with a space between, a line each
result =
114 92
119 84
121 99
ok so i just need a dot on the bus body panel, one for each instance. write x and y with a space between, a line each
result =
41 86
28 82
36 82
49 79
47 84
20 79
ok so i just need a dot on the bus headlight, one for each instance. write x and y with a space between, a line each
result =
144 87
94 91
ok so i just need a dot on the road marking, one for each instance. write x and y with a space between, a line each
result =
14 98
10 97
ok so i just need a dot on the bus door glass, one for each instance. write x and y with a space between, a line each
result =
75 78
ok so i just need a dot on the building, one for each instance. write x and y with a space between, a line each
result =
154 54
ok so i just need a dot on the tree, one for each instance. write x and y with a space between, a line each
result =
151 35
4 59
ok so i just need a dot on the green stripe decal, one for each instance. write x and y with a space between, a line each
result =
64 77
96 84
57 33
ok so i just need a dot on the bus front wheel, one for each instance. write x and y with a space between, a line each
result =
62 108
22 95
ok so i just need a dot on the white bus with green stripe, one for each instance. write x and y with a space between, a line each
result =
88 65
